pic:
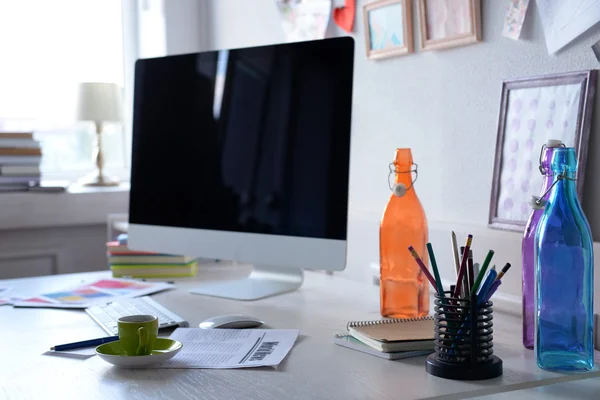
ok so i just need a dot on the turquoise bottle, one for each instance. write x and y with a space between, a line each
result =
564 274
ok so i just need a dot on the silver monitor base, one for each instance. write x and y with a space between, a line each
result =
263 281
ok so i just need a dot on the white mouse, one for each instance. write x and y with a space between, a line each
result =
231 321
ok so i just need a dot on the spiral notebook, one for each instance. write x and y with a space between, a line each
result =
346 340
390 335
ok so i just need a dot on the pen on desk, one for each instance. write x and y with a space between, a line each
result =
423 268
504 271
85 343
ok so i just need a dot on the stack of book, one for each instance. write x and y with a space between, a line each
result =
125 262
392 339
20 158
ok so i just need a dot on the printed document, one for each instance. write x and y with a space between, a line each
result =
231 348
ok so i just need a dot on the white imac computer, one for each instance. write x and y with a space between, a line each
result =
244 155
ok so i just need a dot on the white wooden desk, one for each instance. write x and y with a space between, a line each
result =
314 369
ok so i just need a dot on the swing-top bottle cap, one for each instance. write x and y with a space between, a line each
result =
537 203
399 189
554 143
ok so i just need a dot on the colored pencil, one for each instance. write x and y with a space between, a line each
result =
484 267
423 267
463 266
504 271
470 273
436 273
455 253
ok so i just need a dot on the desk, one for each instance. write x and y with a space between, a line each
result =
314 369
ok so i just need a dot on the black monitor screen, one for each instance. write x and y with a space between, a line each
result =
245 140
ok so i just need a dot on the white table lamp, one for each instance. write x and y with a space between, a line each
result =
99 103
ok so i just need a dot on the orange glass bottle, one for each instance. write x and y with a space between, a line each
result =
404 288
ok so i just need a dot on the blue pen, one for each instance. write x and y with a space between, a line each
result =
485 288
482 297
85 343
492 290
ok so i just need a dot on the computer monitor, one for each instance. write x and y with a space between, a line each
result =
244 155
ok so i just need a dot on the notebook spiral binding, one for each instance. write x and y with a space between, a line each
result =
354 324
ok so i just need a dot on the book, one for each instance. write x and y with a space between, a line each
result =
47 186
391 335
16 135
13 188
122 250
149 259
116 247
350 342
20 160
19 143
16 180
20 151
155 271
20 170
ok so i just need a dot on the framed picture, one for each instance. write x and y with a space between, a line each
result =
388 28
449 23
533 110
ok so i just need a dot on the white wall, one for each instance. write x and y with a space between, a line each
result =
186 26
444 105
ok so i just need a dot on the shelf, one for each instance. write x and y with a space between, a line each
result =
77 206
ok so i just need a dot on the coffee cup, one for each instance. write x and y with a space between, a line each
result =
137 334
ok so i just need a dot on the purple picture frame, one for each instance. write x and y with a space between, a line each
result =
588 82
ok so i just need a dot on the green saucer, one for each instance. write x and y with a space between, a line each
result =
164 349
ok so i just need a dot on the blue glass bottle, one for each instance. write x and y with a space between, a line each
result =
564 274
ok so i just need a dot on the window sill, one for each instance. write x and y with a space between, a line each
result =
77 206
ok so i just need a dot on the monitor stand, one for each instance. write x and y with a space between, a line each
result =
263 281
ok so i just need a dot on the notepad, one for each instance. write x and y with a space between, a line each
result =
390 335
346 340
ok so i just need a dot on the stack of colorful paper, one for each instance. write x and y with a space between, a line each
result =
125 262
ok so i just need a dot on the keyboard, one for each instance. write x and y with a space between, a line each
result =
106 315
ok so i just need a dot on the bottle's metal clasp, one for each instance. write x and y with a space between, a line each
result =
400 189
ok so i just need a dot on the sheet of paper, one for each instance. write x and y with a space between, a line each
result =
231 348
99 292
515 16
304 19
83 353
563 20
6 294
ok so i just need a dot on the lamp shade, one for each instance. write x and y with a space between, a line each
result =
99 102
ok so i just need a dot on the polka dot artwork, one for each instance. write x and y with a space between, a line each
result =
533 116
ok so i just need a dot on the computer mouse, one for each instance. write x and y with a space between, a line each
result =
231 322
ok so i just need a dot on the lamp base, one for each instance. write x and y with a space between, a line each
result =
97 180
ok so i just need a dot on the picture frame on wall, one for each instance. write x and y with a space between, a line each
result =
446 24
532 111
388 28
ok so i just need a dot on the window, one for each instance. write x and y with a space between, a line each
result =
47 48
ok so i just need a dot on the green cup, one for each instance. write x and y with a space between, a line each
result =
137 334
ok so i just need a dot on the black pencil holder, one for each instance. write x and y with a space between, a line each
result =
464 345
